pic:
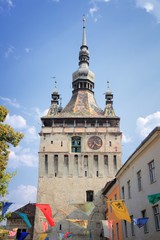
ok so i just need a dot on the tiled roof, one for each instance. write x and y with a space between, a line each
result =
28 209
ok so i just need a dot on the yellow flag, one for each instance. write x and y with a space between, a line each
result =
120 210
42 236
79 223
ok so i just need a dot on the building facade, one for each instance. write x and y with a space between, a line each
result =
80 150
111 192
15 221
138 178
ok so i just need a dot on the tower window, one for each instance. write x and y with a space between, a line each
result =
89 196
110 143
85 173
106 160
115 162
76 144
46 164
51 142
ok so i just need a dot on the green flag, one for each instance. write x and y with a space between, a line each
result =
154 198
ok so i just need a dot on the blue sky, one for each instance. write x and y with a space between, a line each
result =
41 39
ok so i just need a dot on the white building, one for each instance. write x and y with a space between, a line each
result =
138 178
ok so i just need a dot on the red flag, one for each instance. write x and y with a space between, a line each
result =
47 211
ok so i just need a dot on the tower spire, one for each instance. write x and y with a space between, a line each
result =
84 41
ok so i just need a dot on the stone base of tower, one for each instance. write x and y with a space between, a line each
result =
63 195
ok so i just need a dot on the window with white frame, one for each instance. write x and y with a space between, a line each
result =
156 217
139 180
152 172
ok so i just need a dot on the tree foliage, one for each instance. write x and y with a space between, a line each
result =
8 137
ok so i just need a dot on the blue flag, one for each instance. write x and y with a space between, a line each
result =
140 222
25 219
22 235
5 206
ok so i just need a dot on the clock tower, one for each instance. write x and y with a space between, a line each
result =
80 150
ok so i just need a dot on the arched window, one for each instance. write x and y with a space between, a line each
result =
76 144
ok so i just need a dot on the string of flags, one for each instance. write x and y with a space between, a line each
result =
118 206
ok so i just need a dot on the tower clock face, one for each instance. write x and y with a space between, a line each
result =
95 142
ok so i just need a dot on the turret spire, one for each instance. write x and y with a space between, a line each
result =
84 41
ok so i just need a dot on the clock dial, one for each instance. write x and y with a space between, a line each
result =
95 142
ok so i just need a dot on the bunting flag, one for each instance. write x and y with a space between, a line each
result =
5 206
154 198
12 233
107 228
61 235
45 226
25 219
140 222
47 211
42 236
22 235
79 223
120 210
87 207
68 235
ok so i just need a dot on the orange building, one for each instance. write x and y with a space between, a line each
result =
111 192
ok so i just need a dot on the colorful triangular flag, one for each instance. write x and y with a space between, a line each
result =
68 235
87 207
79 223
42 236
25 219
140 222
154 198
47 211
5 206
61 235
22 235
120 210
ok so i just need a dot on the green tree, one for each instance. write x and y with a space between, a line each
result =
8 137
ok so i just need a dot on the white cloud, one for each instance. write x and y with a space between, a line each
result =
11 102
126 139
93 11
22 195
22 157
28 50
146 124
150 6
16 121
9 51
30 134
40 113
10 3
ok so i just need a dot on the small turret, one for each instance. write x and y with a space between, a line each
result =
109 111
55 108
